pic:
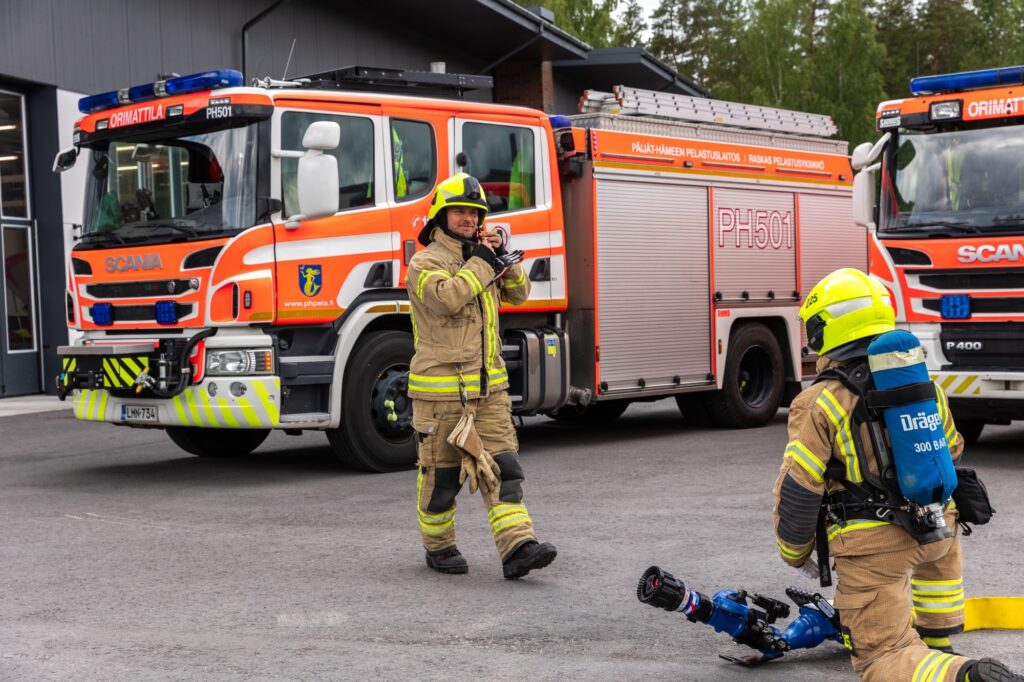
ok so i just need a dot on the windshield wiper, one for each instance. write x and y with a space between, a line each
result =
99 237
185 226
944 226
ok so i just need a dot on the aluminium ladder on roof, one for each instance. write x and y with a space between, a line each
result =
627 100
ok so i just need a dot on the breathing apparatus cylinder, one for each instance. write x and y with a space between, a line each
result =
920 453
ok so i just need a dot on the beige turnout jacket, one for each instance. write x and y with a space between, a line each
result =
455 321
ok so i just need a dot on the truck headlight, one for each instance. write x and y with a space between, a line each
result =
231 361
948 110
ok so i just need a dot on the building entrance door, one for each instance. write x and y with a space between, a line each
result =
19 328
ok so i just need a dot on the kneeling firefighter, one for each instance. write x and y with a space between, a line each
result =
458 382
867 477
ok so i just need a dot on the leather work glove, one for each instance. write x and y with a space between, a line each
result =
505 261
481 469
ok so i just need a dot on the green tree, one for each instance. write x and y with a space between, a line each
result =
589 20
900 35
950 32
1003 44
776 57
629 26
699 38
668 32
847 76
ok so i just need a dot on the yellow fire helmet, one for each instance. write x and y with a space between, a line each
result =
461 189
845 306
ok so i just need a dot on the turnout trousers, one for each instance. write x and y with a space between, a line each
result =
887 584
437 484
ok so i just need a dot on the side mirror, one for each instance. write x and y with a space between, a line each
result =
864 197
65 159
318 172
866 153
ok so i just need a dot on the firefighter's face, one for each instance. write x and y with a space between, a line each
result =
462 220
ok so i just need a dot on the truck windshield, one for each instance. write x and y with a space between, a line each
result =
954 182
193 186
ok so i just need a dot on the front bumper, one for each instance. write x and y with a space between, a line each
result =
258 406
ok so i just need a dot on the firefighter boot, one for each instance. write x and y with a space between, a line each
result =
989 670
529 556
447 560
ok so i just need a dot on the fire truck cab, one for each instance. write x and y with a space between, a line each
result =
942 195
242 263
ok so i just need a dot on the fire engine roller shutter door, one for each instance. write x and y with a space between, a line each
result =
653 283
829 240
755 245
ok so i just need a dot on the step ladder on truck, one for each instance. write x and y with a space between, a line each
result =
242 264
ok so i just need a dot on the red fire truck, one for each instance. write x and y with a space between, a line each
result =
242 263
942 193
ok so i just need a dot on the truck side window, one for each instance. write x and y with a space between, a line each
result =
502 158
354 155
413 158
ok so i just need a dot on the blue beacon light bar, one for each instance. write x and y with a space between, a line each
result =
196 82
967 80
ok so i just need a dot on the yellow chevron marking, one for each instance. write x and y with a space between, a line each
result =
947 382
207 408
226 412
190 401
101 411
250 414
180 409
967 383
265 400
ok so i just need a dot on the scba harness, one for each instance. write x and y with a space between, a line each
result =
916 478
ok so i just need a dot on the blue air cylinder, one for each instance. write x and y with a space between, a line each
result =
920 453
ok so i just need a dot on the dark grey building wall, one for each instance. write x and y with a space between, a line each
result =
96 45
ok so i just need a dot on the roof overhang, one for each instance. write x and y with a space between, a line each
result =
493 30
602 68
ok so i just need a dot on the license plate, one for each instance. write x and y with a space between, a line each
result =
138 413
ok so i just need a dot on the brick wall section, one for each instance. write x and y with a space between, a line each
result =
527 84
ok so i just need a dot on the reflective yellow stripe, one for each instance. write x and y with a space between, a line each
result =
496 376
844 437
923 671
945 583
471 278
421 281
250 414
790 553
442 384
132 367
268 404
89 406
835 530
180 409
517 282
190 400
226 412
101 411
415 329
490 329
948 381
806 459
204 398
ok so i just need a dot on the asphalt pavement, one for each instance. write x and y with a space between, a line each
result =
123 558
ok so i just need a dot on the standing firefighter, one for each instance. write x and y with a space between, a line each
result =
458 382
896 553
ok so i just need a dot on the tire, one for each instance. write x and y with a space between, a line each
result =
754 379
377 371
594 413
217 442
969 429
694 408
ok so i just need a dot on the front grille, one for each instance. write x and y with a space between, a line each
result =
971 279
151 288
991 306
1000 346
146 313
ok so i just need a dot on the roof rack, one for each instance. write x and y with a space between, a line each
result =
626 100
425 83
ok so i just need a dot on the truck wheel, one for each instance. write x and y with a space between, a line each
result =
374 436
969 429
594 413
217 442
694 408
753 382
